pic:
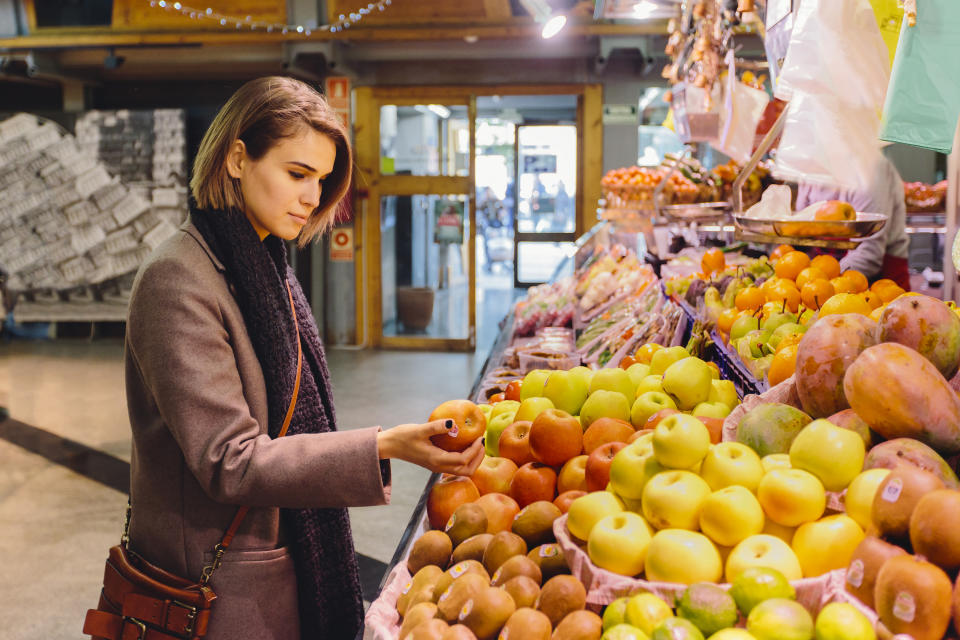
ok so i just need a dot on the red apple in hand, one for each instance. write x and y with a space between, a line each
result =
514 443
469 424
597 471
533 481
604 430
494 475
565 499
555 437
573 474
500 510
448 493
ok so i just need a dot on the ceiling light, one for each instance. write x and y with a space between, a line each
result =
645 9
543 14
553 26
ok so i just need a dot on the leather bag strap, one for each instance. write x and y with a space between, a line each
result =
221 548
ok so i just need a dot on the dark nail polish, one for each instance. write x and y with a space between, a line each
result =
449 424
483 441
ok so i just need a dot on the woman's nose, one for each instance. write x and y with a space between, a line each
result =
311 195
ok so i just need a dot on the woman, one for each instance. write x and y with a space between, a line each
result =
211 360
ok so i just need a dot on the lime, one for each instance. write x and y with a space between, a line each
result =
756 584
732 634
614 613
842 621
708 607
624 632
780 619
676 629
646 611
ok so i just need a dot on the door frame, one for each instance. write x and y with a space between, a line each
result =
371 186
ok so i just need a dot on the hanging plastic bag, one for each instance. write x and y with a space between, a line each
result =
696 115
743 108
835 77
923 102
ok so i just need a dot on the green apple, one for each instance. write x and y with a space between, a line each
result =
566 391
777 320
645 611
842 621
724 391
663 358
689 381
486 409
637 372
712 410
783 331
631 469
531 408
680 441
587 510
672 499
504 406
686 557
603 403
649 383
763 550
585 374
614 613
732 463
614 379
648 404
731 515
775 461
780 619
618 543
756 584
624 632
676 629
492 437
533 383
832 454
757 343
743 325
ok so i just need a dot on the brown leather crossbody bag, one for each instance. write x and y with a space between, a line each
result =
140 601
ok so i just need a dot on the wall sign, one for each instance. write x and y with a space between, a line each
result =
341 244
337 89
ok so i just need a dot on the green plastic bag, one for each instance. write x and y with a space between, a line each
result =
923 99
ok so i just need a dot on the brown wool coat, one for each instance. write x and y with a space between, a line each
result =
198 411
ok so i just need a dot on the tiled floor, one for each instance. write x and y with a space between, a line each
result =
65 448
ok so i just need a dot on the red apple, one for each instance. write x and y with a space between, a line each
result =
564 500
597 471
494 475
514 443
637 434
512 392
655 419
714 426
604 430
555 437
533 481
470 424
448 493
573 475
500 509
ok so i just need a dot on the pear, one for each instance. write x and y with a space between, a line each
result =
502 547
897 497
487 612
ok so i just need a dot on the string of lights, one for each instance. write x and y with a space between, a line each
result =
344 21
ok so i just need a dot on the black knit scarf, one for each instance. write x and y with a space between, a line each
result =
328 581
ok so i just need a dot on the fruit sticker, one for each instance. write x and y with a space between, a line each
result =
496 575
466 609
458 570
855 573
549 551
450 522
904 607
444 595
406 588
891 492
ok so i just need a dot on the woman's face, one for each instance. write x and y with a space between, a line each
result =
281 189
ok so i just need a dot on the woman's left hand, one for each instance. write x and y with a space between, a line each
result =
412 443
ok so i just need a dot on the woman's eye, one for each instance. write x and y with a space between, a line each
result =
296 175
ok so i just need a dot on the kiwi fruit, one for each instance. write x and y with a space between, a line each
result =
865 564
534 523
502 547
487 612
935 528
898 495
456 571
429 630
458 632
433 547
421 584
516 566
559 596
468 520
579 625
523 590
472 548
549 557
526 624
417 614
913 596
463 588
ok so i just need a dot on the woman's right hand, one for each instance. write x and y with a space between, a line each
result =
411 442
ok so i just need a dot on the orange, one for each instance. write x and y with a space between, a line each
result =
769 284
785 290
888 294
816 292
788 340
627 362
873 299
845 303
770 308
791 264
646 352
727 318
713 261
881 283
808 274
843 284
783 365
780 251
859 280
749 298
827 264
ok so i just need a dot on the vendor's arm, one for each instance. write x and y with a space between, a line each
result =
867 258
184 354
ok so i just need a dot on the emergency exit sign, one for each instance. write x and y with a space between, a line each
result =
620 114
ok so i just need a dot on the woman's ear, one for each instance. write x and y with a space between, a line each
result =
236 156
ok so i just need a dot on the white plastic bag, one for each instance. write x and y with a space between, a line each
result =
835 76
742 109
695 118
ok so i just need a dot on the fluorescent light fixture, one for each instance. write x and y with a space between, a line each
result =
553 26
645 9
436 109
543 14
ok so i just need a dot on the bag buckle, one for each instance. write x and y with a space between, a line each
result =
191 615
208 570
141 627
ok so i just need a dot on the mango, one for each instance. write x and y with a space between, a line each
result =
926 325
771 428
900 394
891 453
826 350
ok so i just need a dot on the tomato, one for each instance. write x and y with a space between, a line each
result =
512 392
497 397
627 361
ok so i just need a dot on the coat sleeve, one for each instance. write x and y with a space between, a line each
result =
183 352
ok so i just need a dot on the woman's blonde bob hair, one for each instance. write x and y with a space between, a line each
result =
261 113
